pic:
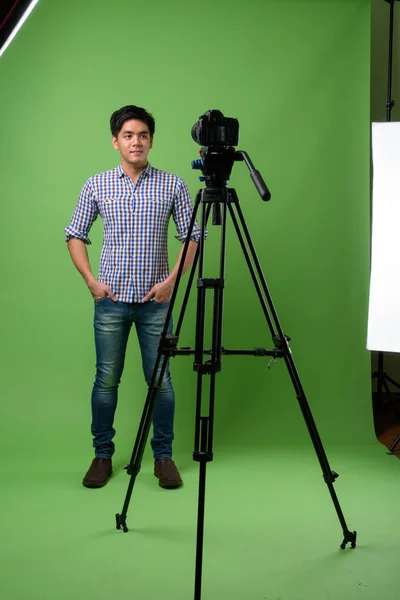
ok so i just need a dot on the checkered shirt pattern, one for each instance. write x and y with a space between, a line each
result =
135 217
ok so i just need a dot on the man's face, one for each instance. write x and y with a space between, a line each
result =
134 143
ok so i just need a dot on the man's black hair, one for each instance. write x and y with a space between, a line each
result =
126 113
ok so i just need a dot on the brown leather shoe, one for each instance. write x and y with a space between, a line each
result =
167 473
98 473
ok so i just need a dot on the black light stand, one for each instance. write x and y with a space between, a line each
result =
380 375
217 164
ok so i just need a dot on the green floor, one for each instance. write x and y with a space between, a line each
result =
271 530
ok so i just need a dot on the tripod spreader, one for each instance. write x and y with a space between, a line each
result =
168 347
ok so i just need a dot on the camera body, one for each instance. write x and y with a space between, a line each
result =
213 129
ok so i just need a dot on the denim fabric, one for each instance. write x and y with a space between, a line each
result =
112 324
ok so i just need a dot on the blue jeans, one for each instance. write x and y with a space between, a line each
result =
112 324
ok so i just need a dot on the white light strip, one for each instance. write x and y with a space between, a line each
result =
384 296
18 26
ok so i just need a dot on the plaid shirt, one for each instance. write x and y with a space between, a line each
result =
135 217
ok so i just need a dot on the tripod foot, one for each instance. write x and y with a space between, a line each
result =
121 522
349 536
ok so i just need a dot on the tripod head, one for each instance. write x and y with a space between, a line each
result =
219 135
216 164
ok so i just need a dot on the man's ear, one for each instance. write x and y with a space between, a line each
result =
151 141
115 143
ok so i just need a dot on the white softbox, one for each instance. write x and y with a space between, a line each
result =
384 296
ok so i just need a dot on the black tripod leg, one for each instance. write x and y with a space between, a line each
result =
267 305
204 426
154 388
393 446
381 377
203 452
203 455
141 439
191 276
385 385
393 382
329 475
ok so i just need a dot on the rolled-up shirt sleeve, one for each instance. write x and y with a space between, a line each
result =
85 213
182 214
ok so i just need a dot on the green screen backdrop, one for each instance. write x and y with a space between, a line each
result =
296 75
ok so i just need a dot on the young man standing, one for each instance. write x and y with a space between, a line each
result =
134 285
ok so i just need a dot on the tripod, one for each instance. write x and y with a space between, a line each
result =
380 375
217 164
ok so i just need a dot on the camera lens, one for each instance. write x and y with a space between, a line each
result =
195 132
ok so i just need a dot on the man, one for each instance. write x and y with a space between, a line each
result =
134 284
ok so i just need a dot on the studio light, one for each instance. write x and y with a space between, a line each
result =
18 25
384 313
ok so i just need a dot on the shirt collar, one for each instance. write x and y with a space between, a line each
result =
148 170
